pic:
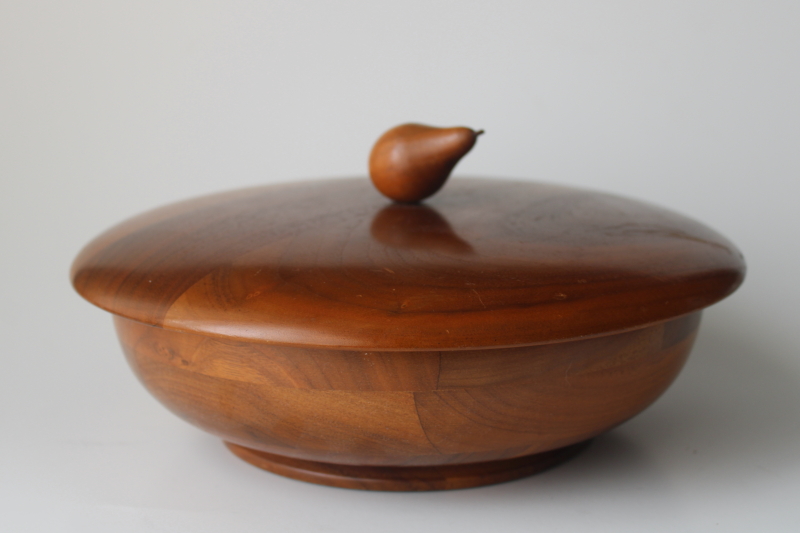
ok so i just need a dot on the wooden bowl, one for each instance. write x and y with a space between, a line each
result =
329 336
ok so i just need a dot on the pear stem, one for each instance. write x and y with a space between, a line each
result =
479 132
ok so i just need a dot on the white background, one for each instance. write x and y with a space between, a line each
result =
111 108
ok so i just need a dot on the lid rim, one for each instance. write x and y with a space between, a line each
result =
300 264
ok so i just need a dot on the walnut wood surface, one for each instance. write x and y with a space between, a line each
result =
398 409
486 263
408 478
411 162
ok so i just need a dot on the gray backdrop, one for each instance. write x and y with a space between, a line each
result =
111 108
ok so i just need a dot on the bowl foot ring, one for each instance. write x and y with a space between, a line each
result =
407 478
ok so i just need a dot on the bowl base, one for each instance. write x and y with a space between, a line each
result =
407 478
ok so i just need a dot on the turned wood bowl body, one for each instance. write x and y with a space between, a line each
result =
396 409
329 336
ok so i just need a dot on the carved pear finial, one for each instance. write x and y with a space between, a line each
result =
411 162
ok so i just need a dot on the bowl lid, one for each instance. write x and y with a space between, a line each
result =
485 263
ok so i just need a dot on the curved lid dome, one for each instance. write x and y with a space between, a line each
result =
485 263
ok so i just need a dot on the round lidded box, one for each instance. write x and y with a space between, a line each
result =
332 336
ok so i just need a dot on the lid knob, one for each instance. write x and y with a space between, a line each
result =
411 162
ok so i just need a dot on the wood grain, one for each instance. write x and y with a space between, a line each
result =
313 413
486 263
408 478
330 336
411 162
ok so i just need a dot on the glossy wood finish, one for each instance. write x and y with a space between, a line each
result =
411 162
485 264
364 415
408 478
